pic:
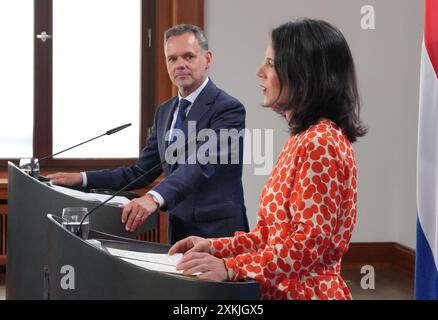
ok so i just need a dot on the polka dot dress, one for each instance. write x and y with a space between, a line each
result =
305 221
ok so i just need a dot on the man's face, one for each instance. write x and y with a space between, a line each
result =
187 64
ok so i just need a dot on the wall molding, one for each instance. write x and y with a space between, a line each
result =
380 255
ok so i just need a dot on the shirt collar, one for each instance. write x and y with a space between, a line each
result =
192 97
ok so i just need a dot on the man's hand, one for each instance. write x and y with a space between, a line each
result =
209 267
190 244
137 211
66 178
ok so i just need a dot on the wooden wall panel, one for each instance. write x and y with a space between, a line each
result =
3 219
380 255
164 21
189 11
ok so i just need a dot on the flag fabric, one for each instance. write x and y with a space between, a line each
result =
426 264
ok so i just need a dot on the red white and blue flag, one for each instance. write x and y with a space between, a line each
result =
426 265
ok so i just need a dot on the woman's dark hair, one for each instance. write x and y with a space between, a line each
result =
313 60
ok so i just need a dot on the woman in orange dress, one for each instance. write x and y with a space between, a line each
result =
308 206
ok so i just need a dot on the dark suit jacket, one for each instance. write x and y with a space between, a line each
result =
202 199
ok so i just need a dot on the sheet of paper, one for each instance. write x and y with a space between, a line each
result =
90 196
95 243
161 262
153 266
156 258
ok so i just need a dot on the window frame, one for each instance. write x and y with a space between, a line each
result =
158 16
43 84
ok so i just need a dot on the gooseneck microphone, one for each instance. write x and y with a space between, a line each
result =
143 175
109 132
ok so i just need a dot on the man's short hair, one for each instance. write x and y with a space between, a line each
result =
188 28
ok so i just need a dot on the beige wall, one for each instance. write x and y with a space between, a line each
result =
387 60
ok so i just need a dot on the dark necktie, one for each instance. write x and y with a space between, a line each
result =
181 116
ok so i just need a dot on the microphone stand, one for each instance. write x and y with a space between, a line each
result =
79 231
109 132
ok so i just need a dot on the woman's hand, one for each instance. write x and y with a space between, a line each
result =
190 244
206 265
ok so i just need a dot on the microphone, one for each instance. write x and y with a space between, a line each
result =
109 132
143 175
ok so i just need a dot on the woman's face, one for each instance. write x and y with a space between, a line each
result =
269 81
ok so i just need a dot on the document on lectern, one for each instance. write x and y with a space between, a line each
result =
90 196
153 261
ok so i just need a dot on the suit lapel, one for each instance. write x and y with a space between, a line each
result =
200 106
166 121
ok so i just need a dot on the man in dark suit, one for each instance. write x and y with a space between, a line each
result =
203 199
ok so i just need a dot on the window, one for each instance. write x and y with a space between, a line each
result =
96 76
94 73
31 88
16 79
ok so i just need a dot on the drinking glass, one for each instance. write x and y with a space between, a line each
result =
71 219
30 164
25 164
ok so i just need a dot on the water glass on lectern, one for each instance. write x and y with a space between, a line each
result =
25 165
72 217
30 164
